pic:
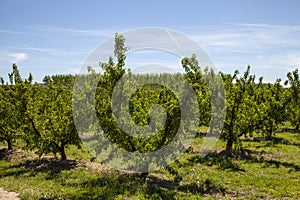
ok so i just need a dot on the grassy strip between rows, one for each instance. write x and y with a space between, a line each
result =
264 169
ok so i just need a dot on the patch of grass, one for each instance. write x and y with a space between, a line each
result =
263 169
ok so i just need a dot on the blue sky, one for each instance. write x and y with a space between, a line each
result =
55 37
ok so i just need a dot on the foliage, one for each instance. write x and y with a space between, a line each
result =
41 114
50 108
273 98
13 106
195 76
293 99
154 110
244 114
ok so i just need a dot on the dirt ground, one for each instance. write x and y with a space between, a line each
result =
5 195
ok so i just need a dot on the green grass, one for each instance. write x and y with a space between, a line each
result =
264 169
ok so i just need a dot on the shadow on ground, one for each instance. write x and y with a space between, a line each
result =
33 166
291 130
105 185
271 141
112 185
225 159
7 154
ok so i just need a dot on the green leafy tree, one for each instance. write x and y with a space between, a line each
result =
13 106
197 79
244 115
146 107
8 127
50 109
293 99
272 98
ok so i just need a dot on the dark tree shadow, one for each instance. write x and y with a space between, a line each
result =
271 141
153 188
291 130
51 166
6 154
205 187
225 159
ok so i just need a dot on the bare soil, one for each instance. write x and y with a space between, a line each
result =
5 195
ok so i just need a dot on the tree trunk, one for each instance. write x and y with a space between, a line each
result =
270 131
63 153
229 144
210 130
9 144
145 174
297 127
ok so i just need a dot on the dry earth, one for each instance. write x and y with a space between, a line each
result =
5 195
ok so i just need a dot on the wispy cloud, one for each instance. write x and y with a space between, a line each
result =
265 26
271 50
249 37
96 32
14 32
44 50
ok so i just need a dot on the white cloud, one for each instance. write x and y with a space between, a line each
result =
17 57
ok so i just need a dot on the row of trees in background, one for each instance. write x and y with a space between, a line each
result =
40 115
251 106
